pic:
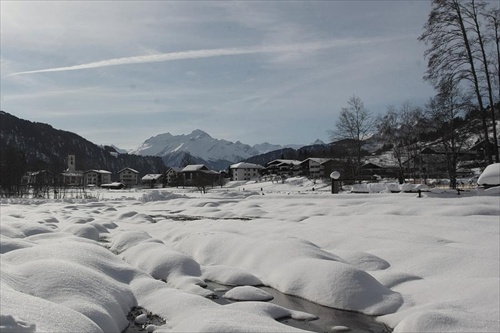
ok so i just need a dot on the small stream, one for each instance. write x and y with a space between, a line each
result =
329 320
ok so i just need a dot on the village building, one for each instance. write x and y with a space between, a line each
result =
71 176
152 179
196 174
96 177
38 178
281 167
245 171
173 176
128 176
374 171
314 167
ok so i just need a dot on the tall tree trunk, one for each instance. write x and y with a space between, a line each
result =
475 81
473 14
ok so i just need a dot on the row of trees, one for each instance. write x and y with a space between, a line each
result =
448 123
464 67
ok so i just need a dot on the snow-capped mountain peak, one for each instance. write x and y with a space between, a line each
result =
198 134
318 142
198 144
152 146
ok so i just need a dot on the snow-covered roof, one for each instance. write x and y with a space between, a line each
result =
72 174
102 172
36 173
175 169
194 167
281 161
245 165
115 185
318 160
152 176
127 168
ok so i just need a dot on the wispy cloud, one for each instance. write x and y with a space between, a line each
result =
208 53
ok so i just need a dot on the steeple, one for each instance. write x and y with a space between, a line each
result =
71 163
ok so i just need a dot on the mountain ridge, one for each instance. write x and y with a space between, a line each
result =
202 147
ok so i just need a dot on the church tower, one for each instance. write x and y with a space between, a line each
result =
71 163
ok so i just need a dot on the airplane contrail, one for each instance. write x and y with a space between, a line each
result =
197 54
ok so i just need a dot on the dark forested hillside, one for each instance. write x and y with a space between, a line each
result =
48 148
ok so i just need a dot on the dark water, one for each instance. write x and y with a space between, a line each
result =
328 318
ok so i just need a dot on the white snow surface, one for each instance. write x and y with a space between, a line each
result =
428 264
248 293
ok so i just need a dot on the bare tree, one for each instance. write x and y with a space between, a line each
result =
399 128
355 124
454 50
446 115
493 23
473 12
204 179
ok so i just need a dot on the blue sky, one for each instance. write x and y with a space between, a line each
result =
119 72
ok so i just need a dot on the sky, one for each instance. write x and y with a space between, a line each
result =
120 72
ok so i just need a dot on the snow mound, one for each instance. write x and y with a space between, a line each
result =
128 239
9 244
80 277
248 293
135 217
490 175
230 276
364 261
83 230
159 196
164 263
48 316
296 268
24 229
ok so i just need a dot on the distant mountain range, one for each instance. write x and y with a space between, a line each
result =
48 148
200 147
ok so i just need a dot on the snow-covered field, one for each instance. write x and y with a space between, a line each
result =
428 264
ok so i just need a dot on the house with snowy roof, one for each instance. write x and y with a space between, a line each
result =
38 178
283 167
197 173
128 176
245 171
173 176
151 179
315 167
96 177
